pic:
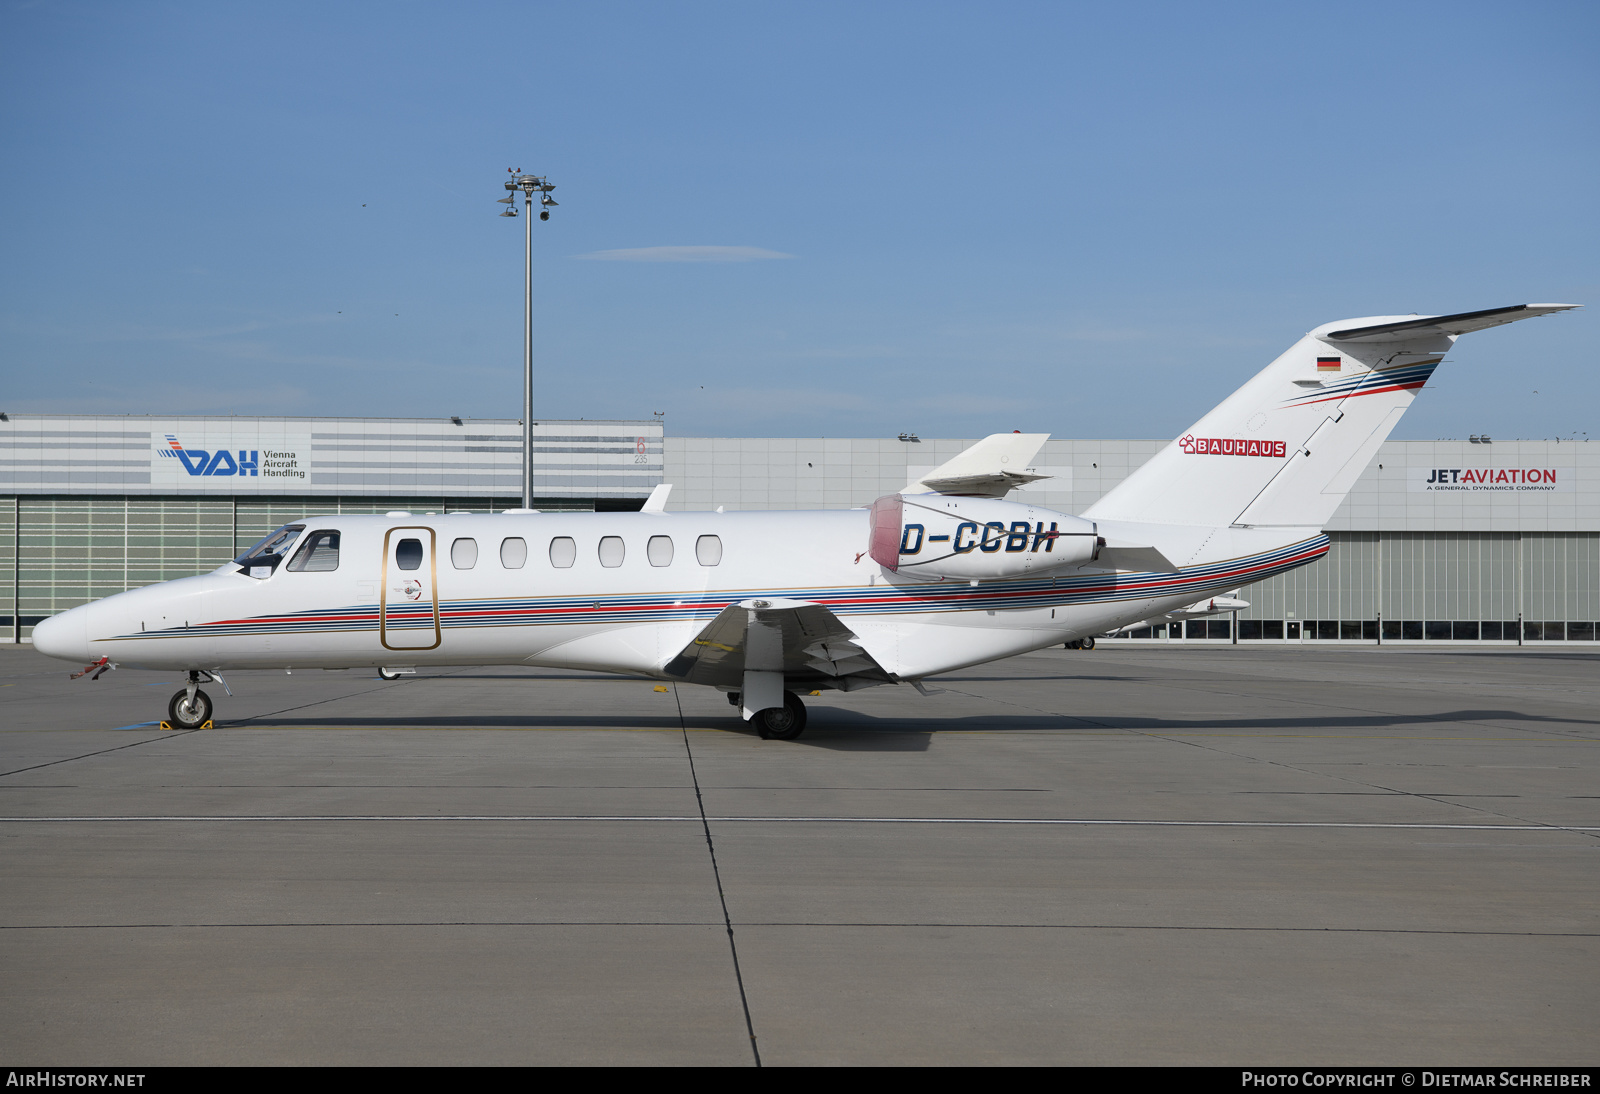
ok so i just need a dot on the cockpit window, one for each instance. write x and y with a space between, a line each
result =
318 554
262 559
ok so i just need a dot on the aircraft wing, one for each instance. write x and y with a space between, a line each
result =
804 641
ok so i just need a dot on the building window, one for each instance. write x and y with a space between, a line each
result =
464 554
611 551
659 550
513 552
708 550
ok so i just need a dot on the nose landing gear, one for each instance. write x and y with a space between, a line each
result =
189 708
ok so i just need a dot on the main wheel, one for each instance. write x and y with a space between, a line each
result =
185 713
783 723
1088 643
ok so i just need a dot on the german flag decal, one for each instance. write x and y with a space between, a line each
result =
1328 364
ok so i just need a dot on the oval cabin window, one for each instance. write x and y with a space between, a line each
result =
513 552
611 551
659 550
464 554
708 550
563 552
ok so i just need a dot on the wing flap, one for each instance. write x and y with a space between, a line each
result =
803 640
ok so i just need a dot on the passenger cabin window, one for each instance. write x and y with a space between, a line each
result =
263 559
563 552
708 550
611 551
464 554
319 553
659 550
408 554
513 552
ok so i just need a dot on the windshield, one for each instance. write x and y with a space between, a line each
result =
274 545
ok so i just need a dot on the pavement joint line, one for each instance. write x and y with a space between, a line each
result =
1194 741
331 699
165 735
934 924
1158 734
722 899
1336 776
710 818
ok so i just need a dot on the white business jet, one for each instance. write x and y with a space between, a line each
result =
944 574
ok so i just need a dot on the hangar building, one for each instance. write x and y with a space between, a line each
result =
1458 541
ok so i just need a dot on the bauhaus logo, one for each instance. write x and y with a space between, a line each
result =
199 461
1230 446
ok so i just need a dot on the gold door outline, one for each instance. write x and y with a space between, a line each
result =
433 581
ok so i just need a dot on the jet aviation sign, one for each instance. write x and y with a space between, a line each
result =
1490 480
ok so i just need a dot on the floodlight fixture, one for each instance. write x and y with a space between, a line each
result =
527 185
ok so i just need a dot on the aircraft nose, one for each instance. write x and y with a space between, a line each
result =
65 636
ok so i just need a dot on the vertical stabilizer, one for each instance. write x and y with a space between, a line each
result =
1286 448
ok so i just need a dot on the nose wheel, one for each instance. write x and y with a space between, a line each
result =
783 723
187 711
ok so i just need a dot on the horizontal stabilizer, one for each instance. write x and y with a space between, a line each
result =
992 468
1200 609
1459 323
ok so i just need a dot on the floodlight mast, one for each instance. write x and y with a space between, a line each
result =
527 185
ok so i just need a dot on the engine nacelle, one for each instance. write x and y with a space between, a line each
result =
975 539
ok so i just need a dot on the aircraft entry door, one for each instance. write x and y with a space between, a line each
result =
408 597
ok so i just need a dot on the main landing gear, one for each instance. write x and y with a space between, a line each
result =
783 723
190 708
1080 644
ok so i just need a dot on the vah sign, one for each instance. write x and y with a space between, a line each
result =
233 461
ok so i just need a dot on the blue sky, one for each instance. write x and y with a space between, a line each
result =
1092 220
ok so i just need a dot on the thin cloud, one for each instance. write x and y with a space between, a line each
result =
685 254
